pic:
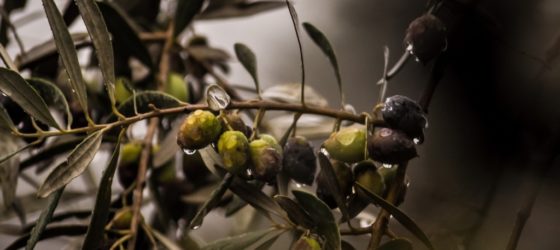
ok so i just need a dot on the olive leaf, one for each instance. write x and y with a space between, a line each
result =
322 217
186 10
397 244
61 145
214 199
400 216
43 51
168 146
242 241
8 167
333 187
249 61
44 219
218 10
52 95
256 198
76 163
94 234
295 212
21 92
99 35
323 43
6 58
67 51
295 21
51 232
5 120
124 37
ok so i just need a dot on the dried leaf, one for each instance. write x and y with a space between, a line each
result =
186 10
25 96
400 216
44 219
67 51
249 61
99 35
77 162
94 234
323 43
322 217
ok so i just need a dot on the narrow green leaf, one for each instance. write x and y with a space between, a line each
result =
13 85
61 145
44 51
295 22
8 167
67 52
51 232
52 95
186 10
124 37
256 198
7 59
323 43
94 235
214 199
400 216
397 244
249 61
99 35
5 120
231 9
77 162
295 212
322 217
242 241
332 184
44 219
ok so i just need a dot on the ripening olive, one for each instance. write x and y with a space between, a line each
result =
391 146
426 37
345 181
266 160
177 87
236 123
299 160
128 163
402 113
122 219
366 174
347 144
198 130
233 146
306 243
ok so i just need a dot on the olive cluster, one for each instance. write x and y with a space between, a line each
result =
261 158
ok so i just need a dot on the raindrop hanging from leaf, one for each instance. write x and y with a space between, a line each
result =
217 98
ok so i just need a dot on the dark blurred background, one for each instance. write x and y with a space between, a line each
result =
493 118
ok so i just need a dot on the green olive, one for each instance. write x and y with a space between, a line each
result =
198 130
177 87
306 243
122 93
266 160
366 174
347 144
233 146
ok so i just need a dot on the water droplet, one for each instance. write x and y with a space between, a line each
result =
249 172
217 98
189 151
416 140
365 222
195 227
385 165
3 94
409 48
417 59
300 185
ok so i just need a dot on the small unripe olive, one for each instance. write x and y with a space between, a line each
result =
266 160
402 113
236 123
122 93
198 130
177 87
299 160
345 180
306 243
366 175
128 163
391 146
426 37
122 219
271 141
347 144
233 146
